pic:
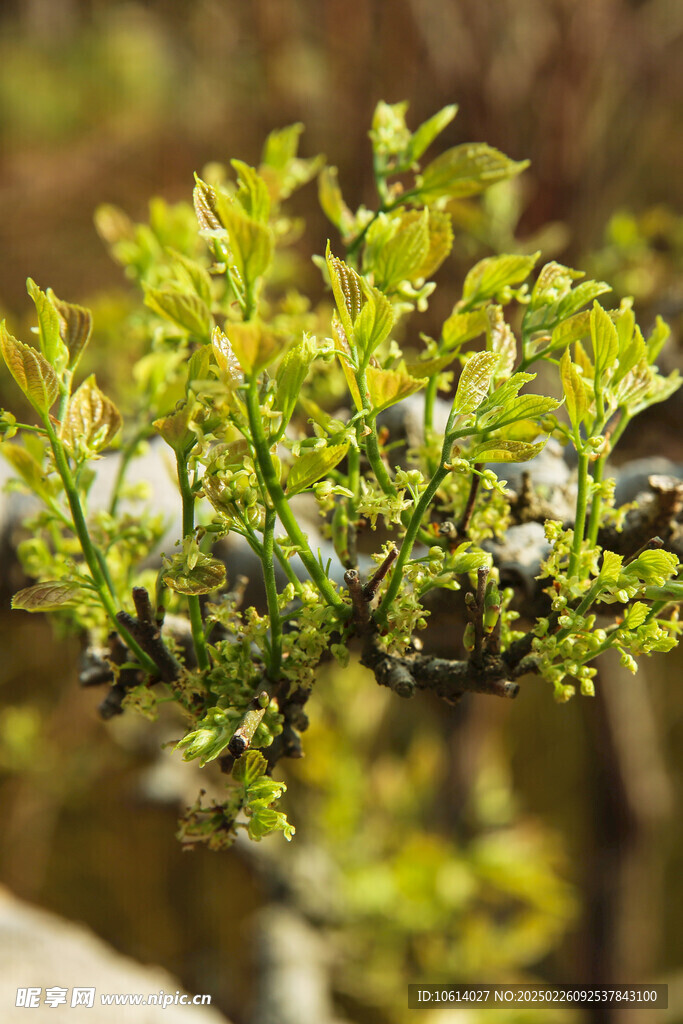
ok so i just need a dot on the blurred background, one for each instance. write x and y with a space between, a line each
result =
480 843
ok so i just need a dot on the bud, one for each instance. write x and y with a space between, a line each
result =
8 425
468 637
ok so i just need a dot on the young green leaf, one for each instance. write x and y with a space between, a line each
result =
505 451
462 327
252 192
186 311
249 767
423 137
254 344
605 342
440 242
75 326
402 254
374 322
580 296
611 567
91 421
653 567
387 387
492 276
227 361
657 339
29 469
553 283
332 201
526 407
291 373
466 170
49 328
206 575
310 467
251 245
574 391
506 393
575 328
192 275
474 382
31 370
635 615
347 289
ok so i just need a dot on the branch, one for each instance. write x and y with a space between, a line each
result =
146 631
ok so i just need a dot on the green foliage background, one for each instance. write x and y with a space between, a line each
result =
527 828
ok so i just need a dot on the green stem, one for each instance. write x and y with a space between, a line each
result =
408 541
370 439
271 595
430 399
102 585
415 523
596 508
194 608
127 453
277 496
353 482
581 505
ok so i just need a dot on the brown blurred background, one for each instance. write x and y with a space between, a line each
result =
118 101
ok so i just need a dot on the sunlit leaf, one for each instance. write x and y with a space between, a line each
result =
423 137
49 328
462 327
291 373
31 371
251 244
186 311
387 387
192 274
611 567
91 421
332 201
254 344
605 342
402 255
466 170
574 391
505 451
311 466
525 407
225 357
373 323
553 283
28 468
347 288
491 276
652 566
474 382
75 325
657 339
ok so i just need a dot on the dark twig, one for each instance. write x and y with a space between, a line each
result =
145 629
464 523
126 679
651 545
373 584
361 612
